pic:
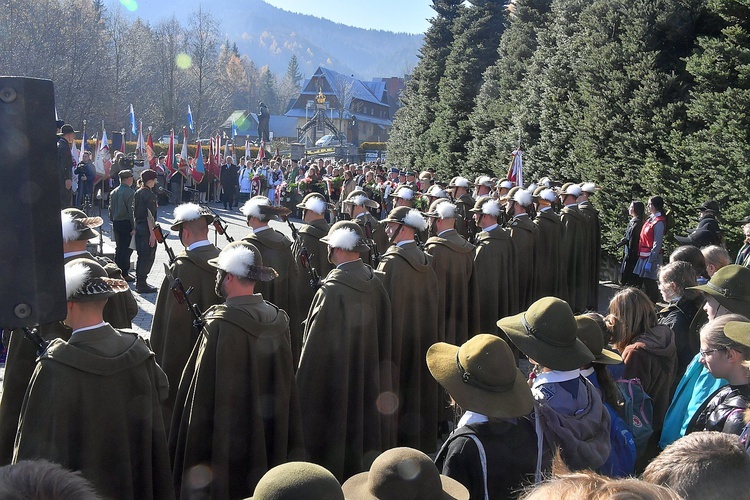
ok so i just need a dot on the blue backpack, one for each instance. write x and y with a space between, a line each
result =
638 412
621 460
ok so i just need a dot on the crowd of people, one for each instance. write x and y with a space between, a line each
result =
455 351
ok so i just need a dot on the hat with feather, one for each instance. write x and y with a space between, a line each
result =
243 259
459 181
403 192
188 212
407 216
77 226
86 280
571 189
359 197
484 180
316 203
520 196
442 209
488 206
260 208
436 191
346 235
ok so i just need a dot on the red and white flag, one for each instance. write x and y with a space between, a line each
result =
140 146
515 171
170 155
150 152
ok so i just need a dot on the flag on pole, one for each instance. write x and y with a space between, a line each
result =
262 149
199 170
132 122
140 146
211 147
234 129
247 147
515 171
184 153
103 161
75 153
190 119
170 155
150 152
83 146
217 154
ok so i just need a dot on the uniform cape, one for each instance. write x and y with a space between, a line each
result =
495 260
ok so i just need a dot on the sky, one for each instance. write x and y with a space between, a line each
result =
408 16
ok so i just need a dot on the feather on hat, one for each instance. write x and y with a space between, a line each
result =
243 259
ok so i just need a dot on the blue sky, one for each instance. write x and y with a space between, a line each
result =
409 16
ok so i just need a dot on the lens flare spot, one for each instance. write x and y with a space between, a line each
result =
131 5
387 403
183 61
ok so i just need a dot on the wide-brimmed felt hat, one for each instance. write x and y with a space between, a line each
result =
484 180
739 331
359 197
77 226
260 207
296 480
730 286
243 259
711 205
459 181
590 333
188 212
571 188
407 216
404 192
482 376
347 235
441 208
481 206
316 203
699 238
67 129
435 191
403 473
546 333
86 280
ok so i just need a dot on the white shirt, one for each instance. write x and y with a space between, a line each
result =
198 244
490 228
93 327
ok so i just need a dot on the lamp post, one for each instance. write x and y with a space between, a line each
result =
122 131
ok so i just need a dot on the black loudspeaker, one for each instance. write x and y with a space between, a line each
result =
116 143
32 278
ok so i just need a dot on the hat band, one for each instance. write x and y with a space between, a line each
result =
470 379
530 330
725 292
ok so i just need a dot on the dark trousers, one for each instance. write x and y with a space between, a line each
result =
229 196
146 253
123 252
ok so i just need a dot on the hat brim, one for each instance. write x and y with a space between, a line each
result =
254 273
368 203
554 357
685 240
515 402
736 306
356 487
360 248
100 288
739 331
607 357
176 226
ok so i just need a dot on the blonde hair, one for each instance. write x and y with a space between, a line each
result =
713 332
716 256
631 313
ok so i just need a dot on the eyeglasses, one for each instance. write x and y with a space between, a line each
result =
709 351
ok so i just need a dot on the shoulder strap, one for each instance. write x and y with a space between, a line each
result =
482 459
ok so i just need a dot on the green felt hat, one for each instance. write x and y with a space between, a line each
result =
295 480
590 333
730 286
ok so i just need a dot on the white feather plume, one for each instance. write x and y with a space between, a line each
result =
359 199
446 210
414 219
548 194
343 238
436 192
574 190
187 212
588 187
506 184
461 182
405 193
251 208
236 260
492 207
522 197
70 231
75 277
483 180
316 204
545 181
532 187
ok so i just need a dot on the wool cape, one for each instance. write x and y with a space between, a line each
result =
411 283
463 206
574 248
237 408
344 369
276 252
378 236
550 272
495 260
525 234
594 253
172 333
93 406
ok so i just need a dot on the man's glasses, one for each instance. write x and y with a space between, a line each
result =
709 351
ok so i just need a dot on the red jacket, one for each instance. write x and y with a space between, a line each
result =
646 241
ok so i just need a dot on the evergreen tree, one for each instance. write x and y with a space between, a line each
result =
293 73
268 91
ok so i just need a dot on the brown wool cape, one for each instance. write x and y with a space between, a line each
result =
378 236
550 272
347 341
495 260
524 234
93 406
172 334
237 409
594 253
575 246
458 290
463 206
411 284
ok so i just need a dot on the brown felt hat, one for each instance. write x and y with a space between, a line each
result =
347 235
316 203
86 280
403 473
359 197
407 216
730 286
590 333
296 480
482 376
546 333
77 226
243 259
188 212
739 331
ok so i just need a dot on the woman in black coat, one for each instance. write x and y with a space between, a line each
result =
630 245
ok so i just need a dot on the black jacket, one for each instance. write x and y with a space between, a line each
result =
64 165
723 411
678 317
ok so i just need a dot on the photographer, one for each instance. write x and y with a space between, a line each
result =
86 173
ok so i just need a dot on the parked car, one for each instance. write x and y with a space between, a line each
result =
329 140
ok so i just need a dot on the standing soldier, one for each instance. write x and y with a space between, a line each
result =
344 374
173 333
65 162
575 247
121 214
595 236
459 190
144 209
482 187
411 282
357 206
524 234
550 272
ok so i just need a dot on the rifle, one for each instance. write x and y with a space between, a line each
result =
160 238
471 228
182 295
295 231
40 342
375 257
220 225
304 258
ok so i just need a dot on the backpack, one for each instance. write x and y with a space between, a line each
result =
621 460
638 412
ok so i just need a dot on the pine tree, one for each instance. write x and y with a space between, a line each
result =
293 73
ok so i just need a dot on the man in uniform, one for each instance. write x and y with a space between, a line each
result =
121 214
144 212
92 403
503 186
237 413
172 332
344 374
594 226
574 248
495 260
357 206
482 187
459 191
410 281
549 267
524 234
65 162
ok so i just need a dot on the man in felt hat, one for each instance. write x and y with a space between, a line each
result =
708 231
575 247
503 186
344 375
570 410
410 281
65 163
458 188
120 211
482 186
482 379
173 335
357 205
524 234
237 413
495 260
594 232
276 250
92 403
144 212
550 271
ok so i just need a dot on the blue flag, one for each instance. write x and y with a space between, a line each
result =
133 128
190 120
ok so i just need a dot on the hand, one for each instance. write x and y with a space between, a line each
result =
68 184
152 239
132 232
647 267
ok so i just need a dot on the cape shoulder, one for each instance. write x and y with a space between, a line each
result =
363 280
269 238
413 256
199 257
524 223
317 231
247 323
454 242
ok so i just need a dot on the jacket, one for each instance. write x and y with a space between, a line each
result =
678 316
650 240
723 411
